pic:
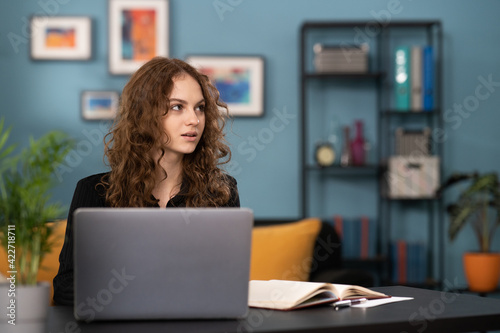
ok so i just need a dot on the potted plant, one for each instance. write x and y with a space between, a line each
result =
26 180
479 205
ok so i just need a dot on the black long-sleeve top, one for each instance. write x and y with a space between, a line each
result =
88 194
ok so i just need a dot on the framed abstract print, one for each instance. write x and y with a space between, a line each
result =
100 104
61 38
138 32
239 79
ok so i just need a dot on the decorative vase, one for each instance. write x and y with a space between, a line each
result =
482 271
26 307
346 156
358 145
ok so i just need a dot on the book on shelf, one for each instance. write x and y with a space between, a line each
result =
428 78
409 262
358 236
414 78
291 295
402 78
416 75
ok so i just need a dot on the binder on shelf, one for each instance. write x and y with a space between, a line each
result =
428 78
402 78
402 261
358 236
416 76
409 263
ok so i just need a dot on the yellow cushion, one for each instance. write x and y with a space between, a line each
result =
50 263
284 251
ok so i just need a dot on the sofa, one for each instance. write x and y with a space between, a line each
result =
308 250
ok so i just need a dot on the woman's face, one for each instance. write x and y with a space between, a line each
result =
185 119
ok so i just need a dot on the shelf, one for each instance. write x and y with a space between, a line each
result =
411 199
409 113
347 24
374 75
365 170
379 82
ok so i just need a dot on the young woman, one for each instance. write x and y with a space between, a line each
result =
164 150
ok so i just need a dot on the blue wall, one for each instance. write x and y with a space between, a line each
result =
38 96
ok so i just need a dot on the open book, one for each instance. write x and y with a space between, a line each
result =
290 295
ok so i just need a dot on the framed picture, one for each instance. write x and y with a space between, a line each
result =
138 31
61 38
97 105
239 79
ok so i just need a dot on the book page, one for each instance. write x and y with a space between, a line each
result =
346 291
283 294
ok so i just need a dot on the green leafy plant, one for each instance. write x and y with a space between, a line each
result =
478 203
26 180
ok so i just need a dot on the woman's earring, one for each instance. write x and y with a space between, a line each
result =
198 121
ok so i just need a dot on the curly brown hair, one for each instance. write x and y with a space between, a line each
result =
137 133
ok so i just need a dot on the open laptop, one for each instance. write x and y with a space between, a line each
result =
150 263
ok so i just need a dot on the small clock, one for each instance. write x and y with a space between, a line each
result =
325 154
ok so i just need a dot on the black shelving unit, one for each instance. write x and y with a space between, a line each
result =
380 75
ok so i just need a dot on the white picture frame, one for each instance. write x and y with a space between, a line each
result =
99 104
138 31
61 38
239 79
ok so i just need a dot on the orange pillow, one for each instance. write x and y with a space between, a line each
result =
284 251
50 262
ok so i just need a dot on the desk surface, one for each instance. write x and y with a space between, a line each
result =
430 311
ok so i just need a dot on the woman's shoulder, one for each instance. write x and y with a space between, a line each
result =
93 180
234 200
230 179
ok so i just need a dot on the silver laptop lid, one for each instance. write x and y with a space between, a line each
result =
150 263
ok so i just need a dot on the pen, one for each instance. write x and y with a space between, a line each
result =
348 303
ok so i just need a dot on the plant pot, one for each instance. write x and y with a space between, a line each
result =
26 306
482 271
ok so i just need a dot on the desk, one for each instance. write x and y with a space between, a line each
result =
430 311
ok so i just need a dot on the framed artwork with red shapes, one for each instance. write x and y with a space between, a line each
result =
138 32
